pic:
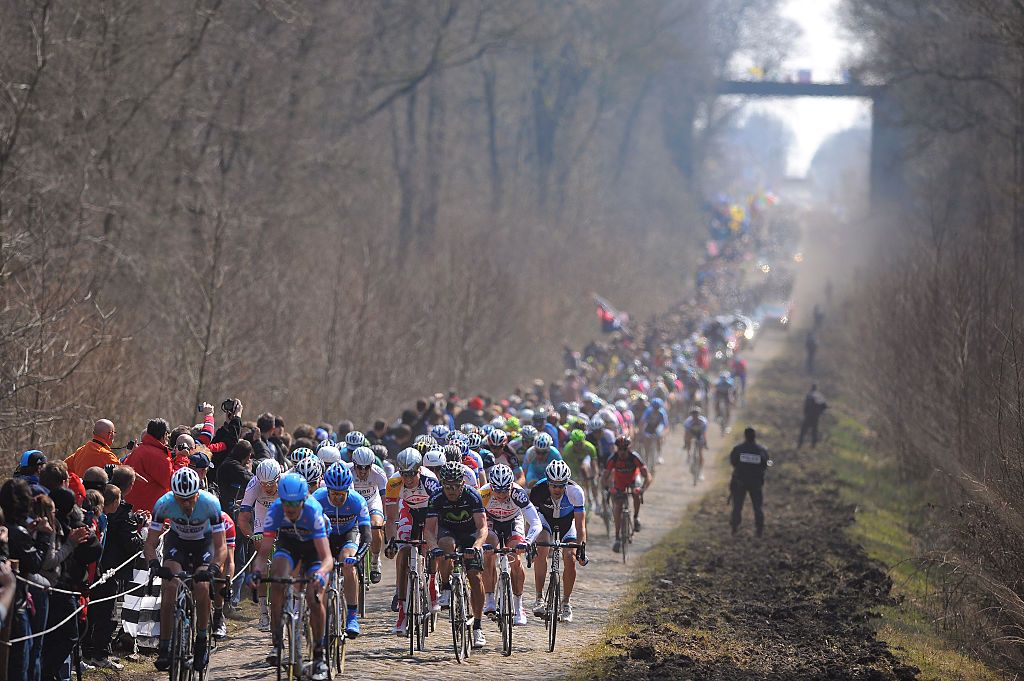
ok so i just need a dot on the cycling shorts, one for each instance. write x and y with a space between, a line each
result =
410 523
566 527
189 554
463 541
298 553
346 540
509 531
376 507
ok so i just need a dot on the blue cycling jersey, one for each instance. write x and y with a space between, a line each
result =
724 384
312 524
535 468
203 521
345 517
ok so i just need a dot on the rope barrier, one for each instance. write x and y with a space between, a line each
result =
103 578
73 614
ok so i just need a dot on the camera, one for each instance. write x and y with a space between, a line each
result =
137 519
229 406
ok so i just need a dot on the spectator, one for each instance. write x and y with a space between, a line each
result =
151 460
29 543
94 478
377 434
230 432
400 438
267 448
233 475
749 462
184 445
29 465
95 452
811 345
121 540
199 461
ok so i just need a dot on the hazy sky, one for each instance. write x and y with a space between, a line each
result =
821 49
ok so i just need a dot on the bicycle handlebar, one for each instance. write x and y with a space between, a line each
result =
501 550
410 542
559 545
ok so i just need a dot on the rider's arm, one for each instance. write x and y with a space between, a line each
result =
480 518
323 552
220 549
244 523
430 532
580 519
152 540
533 522
391 510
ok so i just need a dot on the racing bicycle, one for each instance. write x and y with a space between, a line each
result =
553 593
419 616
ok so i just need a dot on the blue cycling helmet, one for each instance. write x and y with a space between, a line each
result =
657 403
293 487
439 433
486 429
338 478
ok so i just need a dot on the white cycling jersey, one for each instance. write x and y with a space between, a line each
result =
257 502
371 488
696 426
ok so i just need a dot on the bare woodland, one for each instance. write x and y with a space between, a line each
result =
327 208
943 340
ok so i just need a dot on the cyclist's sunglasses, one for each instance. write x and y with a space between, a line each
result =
292 504
363 468
502 489
453 486
558 485
409 474
182 447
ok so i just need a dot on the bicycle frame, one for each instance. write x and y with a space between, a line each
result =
418 613
553 593
505 600
458 610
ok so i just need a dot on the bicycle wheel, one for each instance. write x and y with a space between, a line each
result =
424 616
412 617
284 658
626 525
457 615
505 615
179 653
362 573
554 609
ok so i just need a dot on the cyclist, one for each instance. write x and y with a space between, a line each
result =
498 444
724 388
349 535
405 505
453 452
260 493
602 439
370 481
695 428
312 469
509 511
538 457
521 444
196 544
653 424
456 521
328 453
582 459
298 523
561 504
620 477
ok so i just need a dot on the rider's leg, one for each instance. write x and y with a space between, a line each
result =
569 575
617 512
201 592
317 614
490 565
376 535
540 563
476 589
446 544
515 567
402 571
637 500
168 587
279 567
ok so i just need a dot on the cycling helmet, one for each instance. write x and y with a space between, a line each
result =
543 442
451 472
622 405
439 433
577 435
329 454
185 483
326 442
434 458
424 438
487 457
540 416
311 468
525 415
623 441
657 403
452 453
696 410
408 460
293 487
501 477
563 409
355 439
512 423
268 470
379 451
558 472
424 446
474 441
299 453
338 477
596 423
497 438
363 456
468 428
528 433
498 422
486 429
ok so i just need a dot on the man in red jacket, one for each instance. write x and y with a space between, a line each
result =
151 460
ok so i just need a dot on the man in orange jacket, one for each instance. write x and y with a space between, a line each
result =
96 452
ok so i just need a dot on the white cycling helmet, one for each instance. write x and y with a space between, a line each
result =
185 483
596 423
311 469
363 456
525 415
434 458
558 472
328 454
543 442
409 460
355 439
501 477
268 470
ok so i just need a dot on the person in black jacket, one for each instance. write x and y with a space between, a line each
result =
749 461
814 407
29 541
233 475
230 432
121 540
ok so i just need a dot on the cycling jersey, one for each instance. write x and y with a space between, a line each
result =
351 514
414 498
575 454
654 419
204 520
229 529
457 517
510 513
695 426
558 514
257 502
537 462
372 488
624 472
311 524
508 457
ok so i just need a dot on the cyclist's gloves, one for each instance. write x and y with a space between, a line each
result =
215 570
391 549
256 537
363 548
581 554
